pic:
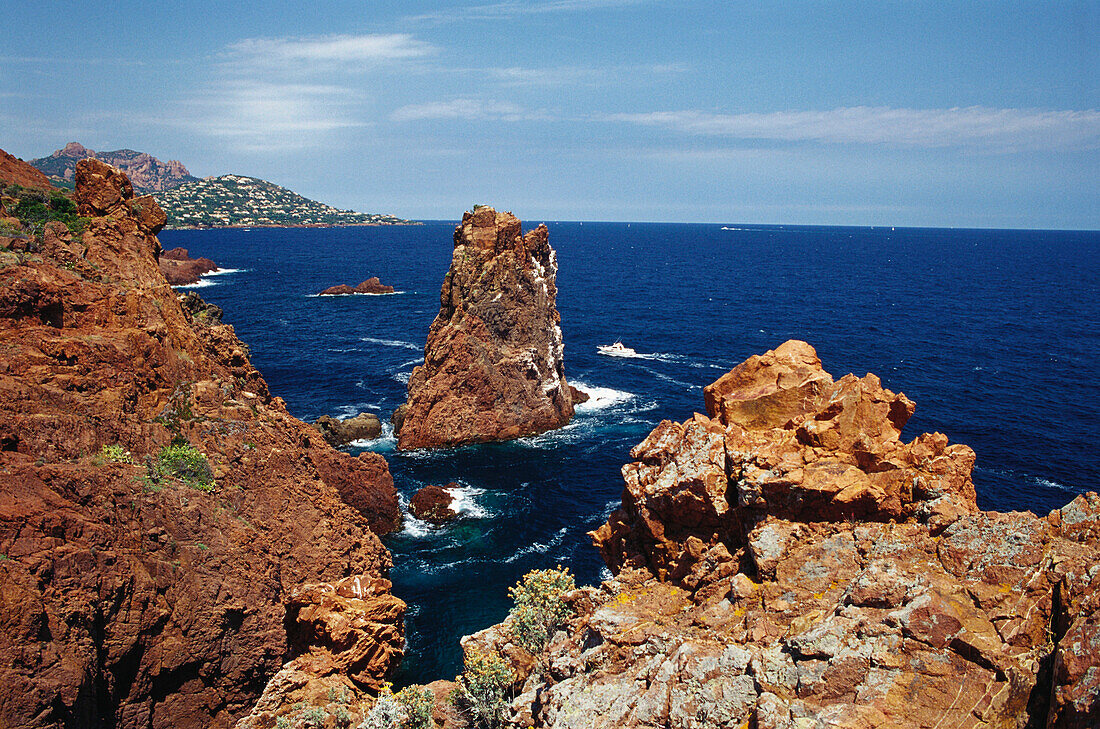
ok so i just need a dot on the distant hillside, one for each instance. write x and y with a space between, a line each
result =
234 200
147 173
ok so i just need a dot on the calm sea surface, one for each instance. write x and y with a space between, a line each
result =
994 334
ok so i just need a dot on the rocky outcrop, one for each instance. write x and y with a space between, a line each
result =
130 594
433 504
180 269
14 171
787 561
337 432
493 367
344 638
371 286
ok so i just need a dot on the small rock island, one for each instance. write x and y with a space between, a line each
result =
493 367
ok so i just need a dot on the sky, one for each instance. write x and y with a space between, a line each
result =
969 114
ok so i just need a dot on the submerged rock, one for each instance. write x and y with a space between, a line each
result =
788 561
493 367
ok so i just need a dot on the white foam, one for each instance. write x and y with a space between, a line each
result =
223 271
600 398
402 377
353 293
386 438
392 343
539 547
413 527
464 504
1053 484
200 284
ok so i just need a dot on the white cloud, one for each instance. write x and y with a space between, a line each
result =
329 50
264 116
1003 129
466 110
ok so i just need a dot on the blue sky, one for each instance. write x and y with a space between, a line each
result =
977 114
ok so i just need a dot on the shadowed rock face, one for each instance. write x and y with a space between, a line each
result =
788 561
127 601
493 367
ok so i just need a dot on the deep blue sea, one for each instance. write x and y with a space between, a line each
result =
995 334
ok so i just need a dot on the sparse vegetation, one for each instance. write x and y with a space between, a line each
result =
34 208
417 702
483 687
114 454
540 607
185 462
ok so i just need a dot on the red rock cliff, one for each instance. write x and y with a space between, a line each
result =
493 367
787 561
129 598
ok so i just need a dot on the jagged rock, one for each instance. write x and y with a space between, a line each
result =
14 171
180 269
370 286
337 432
128 600
493 367
789 562
200 311
397 419
783 439
433 504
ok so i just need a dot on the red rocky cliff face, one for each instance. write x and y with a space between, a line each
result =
493 367
788 561
14 171
127 600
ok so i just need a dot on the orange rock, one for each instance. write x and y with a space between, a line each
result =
493 367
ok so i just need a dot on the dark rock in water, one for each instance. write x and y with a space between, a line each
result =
433 504
199 310
371 286
493 367
180 269
364 426
398 418
579 396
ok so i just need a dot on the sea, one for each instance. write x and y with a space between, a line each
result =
995 334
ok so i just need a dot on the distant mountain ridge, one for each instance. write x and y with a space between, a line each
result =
147 173
213 202
239 201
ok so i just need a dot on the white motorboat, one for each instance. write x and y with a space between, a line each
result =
618 349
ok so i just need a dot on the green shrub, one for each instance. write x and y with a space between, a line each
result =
187 463
386 713
485 682
417 702
540 606
115 454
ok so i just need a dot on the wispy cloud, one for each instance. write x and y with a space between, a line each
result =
576 75
466 110
264 116
1001 129
512 8
318 52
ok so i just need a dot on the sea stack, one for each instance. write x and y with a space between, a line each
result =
493 367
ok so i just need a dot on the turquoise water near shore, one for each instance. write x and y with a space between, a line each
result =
994 334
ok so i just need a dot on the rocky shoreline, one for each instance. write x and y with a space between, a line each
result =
179 551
